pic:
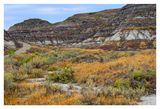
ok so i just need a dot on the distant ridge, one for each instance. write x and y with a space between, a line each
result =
107 29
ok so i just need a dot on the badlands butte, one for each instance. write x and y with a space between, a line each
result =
130 27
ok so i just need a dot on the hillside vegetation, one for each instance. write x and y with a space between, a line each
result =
51 75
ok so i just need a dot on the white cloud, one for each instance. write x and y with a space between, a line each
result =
60 10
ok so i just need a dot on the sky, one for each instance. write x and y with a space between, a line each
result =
15 13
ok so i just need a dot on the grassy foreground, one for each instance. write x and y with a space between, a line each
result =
105 77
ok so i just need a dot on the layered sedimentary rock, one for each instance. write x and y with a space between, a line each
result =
118 27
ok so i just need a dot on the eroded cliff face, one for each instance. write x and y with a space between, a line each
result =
113 28
10 42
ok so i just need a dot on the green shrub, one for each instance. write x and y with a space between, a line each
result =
37 62
63 75
144 78
52 76
10 52
8 79
89 96
115 55
36 73
69 54
15 62
150 74
126 54
20 74
138 75
52 57
122 83
138 79
28 68
26 59
144 75
89 58
129 93
8 76
52 88
59 56
52 68
22 58
133 93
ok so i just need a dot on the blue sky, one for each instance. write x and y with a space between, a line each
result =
15 13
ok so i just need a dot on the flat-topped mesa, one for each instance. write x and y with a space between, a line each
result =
96 29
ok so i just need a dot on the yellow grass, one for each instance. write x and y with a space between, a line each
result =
119 66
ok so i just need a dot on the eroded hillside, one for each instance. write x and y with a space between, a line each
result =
99 29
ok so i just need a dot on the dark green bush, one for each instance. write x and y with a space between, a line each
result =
122 83
64 75
151 74
138 75
144 78
10 52
146 75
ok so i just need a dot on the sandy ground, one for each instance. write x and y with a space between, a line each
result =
24 48
148 100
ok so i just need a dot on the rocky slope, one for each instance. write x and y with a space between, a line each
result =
108 29
10 42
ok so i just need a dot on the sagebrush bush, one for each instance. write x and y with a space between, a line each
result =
8 76
144 78
10 52
51 89
59 56
64 75
8 79
130 93
20 74
23 58
52 57
146 75
38 62
28 68
110 95
150 74
122 83
36 73
89 58
89 96
138 75
69 54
